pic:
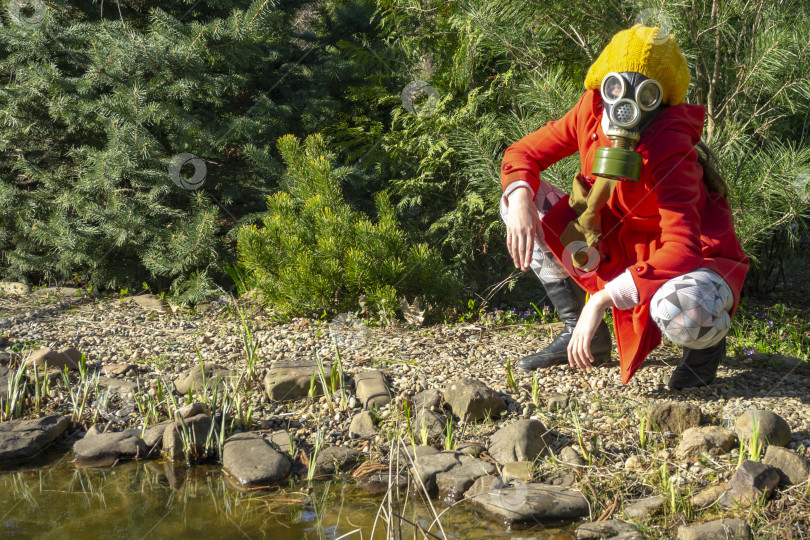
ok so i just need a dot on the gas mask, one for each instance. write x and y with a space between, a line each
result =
631 101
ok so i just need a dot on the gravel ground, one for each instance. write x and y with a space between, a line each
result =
115 333
134 347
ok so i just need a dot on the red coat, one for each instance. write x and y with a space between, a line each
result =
661 227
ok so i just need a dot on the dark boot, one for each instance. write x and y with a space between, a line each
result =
698 367
569 299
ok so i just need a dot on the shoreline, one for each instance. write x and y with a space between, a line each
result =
136 346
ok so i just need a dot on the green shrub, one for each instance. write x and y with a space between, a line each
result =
315 253
97 102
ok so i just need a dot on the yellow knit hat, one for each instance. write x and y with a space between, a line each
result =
643 50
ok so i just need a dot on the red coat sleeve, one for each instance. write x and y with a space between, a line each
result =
536 151
678 180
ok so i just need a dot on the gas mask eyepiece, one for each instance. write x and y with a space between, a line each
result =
631 101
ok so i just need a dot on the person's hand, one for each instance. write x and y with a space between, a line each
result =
522 224
579 347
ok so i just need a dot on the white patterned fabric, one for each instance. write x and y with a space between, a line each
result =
692 310
544 265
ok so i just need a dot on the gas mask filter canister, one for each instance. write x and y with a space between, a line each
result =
631 101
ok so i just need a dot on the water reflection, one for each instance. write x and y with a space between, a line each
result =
156 500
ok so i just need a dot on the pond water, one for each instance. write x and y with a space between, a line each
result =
54 499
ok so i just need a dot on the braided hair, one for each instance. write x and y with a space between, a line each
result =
711 176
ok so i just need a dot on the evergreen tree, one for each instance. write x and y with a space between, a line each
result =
103 99
314 253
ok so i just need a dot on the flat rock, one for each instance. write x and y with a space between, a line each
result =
433 423
453 483
61 292
470 448
427 399
45 357
371 389
149 302
362 425
673 416
784 362
336 459
719 529
105 449
713 440
192 409
614 529
154 435
634 463
23 439
117 370
476 467
197 380
772 428
525 503
569 456
197 427
290 379
470 399
427 467
708 496
562 479
418 451
792 468
644 507
523 440
14 288
252 462
120 386
750 483
556 402
517 470
280 440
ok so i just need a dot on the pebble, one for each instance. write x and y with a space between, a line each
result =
165 344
